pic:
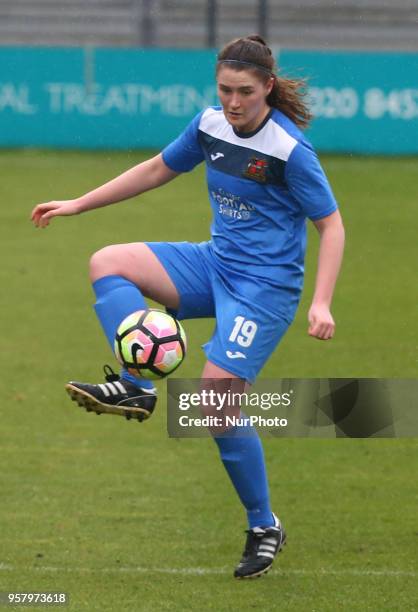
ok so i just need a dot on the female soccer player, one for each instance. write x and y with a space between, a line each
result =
264 181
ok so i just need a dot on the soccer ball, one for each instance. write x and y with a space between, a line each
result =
150 344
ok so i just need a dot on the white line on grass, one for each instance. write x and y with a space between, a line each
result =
204 571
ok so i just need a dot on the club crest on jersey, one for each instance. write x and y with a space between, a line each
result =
257 170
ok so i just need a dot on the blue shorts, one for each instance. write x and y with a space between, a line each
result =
251 317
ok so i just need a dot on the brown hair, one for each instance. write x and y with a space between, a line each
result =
287 95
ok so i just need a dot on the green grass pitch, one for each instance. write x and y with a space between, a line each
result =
123 518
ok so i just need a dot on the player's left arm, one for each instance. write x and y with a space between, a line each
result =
332 236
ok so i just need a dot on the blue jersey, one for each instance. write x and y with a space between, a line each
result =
262 187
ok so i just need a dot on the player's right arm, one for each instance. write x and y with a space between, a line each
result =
143 177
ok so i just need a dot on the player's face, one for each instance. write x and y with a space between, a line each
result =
243 98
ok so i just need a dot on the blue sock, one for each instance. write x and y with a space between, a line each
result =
243 457
116 298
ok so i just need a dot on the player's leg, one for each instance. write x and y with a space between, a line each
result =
247 332
122 275
242 455
241 450
172 274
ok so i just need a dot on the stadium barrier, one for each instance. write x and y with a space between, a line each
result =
97 98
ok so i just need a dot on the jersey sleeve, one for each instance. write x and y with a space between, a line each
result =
308 184
184 153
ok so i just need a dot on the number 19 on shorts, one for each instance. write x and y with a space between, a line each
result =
243 331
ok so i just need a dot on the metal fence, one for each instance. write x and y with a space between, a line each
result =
368 24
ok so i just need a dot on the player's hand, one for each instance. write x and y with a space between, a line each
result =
321 323
43 213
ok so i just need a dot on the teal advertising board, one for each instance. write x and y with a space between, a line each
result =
99 98
362 102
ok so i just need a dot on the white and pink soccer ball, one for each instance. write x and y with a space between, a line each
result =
150 343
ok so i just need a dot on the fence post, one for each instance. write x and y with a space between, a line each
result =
211 22
263 11
148 26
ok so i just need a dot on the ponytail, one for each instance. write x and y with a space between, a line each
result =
288 96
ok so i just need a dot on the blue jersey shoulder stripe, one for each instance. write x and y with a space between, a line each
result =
241 162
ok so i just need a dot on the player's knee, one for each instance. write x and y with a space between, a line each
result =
116 259
104 262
